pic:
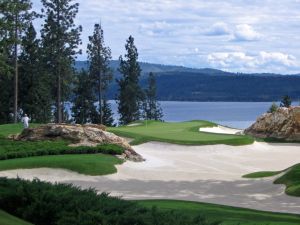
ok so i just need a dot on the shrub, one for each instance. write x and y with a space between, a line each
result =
46 204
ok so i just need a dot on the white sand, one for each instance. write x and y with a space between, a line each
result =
220 130
134 124
200 173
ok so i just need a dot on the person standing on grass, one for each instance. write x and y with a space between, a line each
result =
25 121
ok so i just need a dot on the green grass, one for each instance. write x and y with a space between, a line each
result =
10 149
262 174
229 215
185 133
9 129
290 178
96 164
7 219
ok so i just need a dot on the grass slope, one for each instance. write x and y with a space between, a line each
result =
9 129
7 219
290 178
186 133
96 164
229 215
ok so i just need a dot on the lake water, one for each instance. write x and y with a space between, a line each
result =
232 114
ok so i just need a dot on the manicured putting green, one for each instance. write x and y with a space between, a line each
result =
186 133
95 164
229 215
7 219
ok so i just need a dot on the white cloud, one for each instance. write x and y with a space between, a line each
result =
217 29
245 32
186 32
261 62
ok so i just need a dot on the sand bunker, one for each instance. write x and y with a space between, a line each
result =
210 173
221 130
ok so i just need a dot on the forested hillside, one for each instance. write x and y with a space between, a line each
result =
186 84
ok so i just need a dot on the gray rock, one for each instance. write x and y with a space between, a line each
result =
282 124
79 135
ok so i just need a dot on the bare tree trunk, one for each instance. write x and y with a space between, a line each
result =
100 98
16 78
58 104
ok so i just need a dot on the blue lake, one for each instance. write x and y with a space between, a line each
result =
232 114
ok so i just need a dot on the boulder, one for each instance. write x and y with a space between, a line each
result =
282 124
79 135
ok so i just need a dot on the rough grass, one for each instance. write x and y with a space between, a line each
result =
290 178
96 164
229 215
185 133
10 149
7 219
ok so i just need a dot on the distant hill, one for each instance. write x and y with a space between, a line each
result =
187 84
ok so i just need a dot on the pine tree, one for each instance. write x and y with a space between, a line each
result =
130 94
286 101
60 40
35 98
108 119
273 108
84 110
152 108
99 57
16 17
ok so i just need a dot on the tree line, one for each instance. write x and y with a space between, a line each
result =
37 75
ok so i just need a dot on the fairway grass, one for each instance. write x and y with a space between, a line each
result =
7 219
185 133
95 164
290 178
229 215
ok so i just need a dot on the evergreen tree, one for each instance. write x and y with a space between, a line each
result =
35 99
16 17
152 108
286 101
273 108
99 57
130 93
84 110
60 40
108 119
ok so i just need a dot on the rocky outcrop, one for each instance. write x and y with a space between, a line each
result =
283 124
79 135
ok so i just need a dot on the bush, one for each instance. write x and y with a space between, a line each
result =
46 204
10 149
273 108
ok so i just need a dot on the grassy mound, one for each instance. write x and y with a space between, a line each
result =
97 164
7 219
229 215
185 133
290 178
55 154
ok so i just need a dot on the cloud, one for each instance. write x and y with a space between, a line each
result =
157 28
245 32
218 29
187 32
261 62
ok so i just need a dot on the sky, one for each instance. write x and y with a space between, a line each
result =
233 35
